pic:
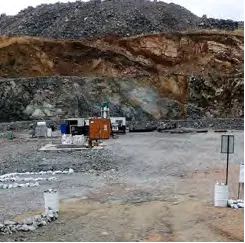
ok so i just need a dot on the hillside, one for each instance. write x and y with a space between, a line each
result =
180 75
110 17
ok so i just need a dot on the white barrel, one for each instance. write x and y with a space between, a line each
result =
51 201
63 139
221 195
49 132
42 123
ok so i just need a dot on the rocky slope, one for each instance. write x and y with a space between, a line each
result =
181 75
98 18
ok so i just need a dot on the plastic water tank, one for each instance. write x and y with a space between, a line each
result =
221 195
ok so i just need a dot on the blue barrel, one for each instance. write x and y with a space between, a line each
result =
63 128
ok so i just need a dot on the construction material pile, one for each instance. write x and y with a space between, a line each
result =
98 18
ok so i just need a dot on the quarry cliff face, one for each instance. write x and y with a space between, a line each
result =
159 76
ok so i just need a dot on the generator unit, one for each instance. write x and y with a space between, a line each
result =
41 129
99 128
118 124
76 126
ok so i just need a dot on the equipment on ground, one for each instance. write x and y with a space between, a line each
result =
75 126
118 124
99 128
41 129
96 128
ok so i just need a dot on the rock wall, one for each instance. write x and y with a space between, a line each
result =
55 98
189 75
62 97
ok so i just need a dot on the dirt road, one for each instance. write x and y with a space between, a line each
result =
142 187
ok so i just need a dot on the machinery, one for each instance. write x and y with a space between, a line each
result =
96 128
99 128
118 124
40 129
76 126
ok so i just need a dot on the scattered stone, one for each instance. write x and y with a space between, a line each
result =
31 228
9 222
15 185
10 176
71 171
29 224
24 227
43 223
29 221
105 233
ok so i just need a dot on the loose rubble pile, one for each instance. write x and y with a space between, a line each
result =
235 203
98 18
211 23
29 224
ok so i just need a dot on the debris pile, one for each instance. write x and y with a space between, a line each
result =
98 18
29 224
235 203
227 24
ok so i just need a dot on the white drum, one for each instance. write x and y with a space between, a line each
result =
51 200
221 195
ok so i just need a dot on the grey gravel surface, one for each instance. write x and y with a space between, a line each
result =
153 161
35 161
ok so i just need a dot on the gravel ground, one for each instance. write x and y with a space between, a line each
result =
140 169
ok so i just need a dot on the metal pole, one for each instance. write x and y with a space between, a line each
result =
227 160
238 190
